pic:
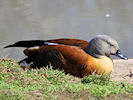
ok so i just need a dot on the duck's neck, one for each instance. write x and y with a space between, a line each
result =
92 53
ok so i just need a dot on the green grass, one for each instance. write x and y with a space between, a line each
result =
17 83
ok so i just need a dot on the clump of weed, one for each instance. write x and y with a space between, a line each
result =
96 79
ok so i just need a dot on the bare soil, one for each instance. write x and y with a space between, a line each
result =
123 70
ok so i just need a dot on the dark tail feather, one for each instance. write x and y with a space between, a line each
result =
10 46
27 43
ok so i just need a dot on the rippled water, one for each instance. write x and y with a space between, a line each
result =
50 19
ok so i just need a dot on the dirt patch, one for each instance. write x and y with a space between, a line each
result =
122 96
81 95
123 70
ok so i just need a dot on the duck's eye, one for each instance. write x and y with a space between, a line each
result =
111 45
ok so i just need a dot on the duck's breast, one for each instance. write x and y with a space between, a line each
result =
100 65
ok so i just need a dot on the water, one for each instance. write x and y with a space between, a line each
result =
50 19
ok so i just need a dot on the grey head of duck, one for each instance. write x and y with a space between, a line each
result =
103 45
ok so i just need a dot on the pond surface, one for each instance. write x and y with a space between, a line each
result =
50 19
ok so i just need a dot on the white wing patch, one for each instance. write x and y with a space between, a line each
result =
50 43
35 47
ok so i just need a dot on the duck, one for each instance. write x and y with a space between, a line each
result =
74 56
